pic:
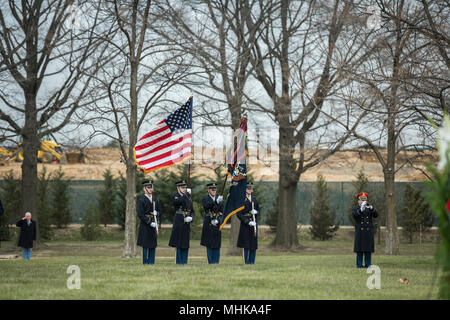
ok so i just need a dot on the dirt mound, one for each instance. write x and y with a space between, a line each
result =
342 166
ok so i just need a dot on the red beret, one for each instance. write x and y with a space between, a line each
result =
362 194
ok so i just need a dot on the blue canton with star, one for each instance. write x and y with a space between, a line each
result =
180 119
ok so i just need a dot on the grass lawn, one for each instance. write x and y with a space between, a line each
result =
321 270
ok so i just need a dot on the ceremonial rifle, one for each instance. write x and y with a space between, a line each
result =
154 208
254 219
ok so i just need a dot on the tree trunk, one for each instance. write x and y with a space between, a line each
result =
420 234
236 114
129 250
130 215
233 250
392 237
392 240
30 145
286 236
379 234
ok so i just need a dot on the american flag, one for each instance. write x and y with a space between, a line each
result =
168 143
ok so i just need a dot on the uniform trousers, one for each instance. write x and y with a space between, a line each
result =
249 256
181 255
148 255
367 259
213 255
26 253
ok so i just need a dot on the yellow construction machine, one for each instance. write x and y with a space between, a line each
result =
48 152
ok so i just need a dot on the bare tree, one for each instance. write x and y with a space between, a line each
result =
429 19
136 82
217 37
48 62
385 81
301 59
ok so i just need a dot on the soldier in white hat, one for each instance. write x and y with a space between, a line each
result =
248 233
181 228
211 235
149 212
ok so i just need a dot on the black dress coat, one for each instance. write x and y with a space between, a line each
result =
1 208
27 233
247 238
364 229
211 235
147 237
179 238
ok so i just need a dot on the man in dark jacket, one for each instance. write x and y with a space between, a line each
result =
27 235
248 232
149 212
211 235
364 242
181 228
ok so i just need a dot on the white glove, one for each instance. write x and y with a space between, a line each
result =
188 219
253 211
370 207
252 223
363 206
155 213
153 225
214 222
219 199
188 190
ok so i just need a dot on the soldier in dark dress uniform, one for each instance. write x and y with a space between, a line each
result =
211 235
149 212
181 228
364 242
27 235
248 233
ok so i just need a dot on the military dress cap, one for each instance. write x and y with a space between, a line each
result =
211 185
249 184
147 182
181 183
362 196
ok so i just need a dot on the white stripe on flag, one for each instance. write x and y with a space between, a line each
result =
164 141
167 149
169 158
156 136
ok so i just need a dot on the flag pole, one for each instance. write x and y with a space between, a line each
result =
188 205
241 126
154 208
234 166
189 160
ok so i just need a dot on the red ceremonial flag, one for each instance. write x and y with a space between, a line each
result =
168 143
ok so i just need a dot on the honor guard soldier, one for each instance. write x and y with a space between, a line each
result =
149 212
181 227
211 235
364 242
248 233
